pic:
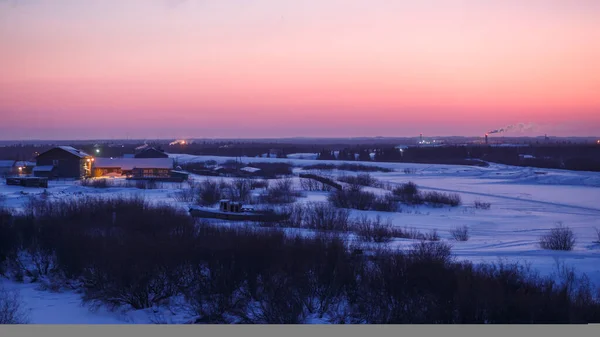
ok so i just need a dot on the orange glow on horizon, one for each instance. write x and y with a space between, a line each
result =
275 68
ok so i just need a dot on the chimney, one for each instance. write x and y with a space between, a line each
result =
421 138
486 139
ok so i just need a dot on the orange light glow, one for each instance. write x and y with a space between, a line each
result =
273 68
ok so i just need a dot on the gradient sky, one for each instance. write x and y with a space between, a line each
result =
73 69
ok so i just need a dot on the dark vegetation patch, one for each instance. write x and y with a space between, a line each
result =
560 237
128 252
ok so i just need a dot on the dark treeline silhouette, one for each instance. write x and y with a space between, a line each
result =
128 252
571 156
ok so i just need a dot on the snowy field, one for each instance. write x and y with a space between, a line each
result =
526 203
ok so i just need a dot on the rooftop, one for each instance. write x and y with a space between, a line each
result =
74 151
128 164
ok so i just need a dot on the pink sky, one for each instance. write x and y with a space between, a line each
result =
279 68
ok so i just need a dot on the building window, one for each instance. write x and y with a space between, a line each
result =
55 162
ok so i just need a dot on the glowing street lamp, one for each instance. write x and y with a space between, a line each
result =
97 150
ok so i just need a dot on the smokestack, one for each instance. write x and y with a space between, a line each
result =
421 138
486 139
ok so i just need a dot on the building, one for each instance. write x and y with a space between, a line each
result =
6 167
151 152
134 167
63 162
22 167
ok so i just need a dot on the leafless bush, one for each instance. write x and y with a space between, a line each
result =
385 203
255 184
147 184
210 193
312 185
460 233
188 193
597 234
363 179
11 309
376 230
432 236
327 182
296 218
438 199
352 197
431 252
282 192
322 216
96 183
560 238
238 190
482 205
408 193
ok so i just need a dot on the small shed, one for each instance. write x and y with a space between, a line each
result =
45 171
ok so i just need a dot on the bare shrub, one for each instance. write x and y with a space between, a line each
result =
238 190
322 216
460 233
327 182
376 230
209 193
431 252
147 184
352 197
296 218
188 193
256 183
312 185
559 238
482 205
11 309
597 234
432 236
96 183
363 179
385 203
439 199
282 192
408 193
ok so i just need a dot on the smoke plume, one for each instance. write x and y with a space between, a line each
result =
518 128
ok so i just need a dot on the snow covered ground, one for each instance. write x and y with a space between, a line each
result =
526 202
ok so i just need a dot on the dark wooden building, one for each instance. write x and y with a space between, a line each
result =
63 162
151 152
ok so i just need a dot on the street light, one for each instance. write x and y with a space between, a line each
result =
97 150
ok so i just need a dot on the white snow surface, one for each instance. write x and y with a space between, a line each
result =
526 202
